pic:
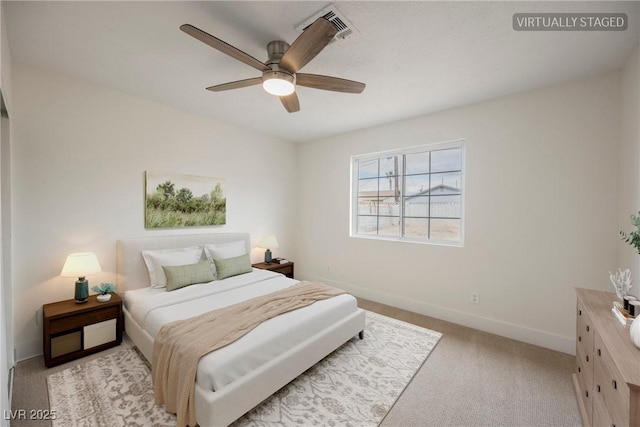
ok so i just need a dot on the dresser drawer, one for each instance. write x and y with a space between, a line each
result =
584 330
601 417
584 375
610 386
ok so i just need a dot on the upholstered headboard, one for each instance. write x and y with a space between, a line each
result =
132 272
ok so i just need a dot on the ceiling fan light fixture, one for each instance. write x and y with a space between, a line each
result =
278 83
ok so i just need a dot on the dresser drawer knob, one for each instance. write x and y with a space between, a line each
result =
599 352
586 393
598 388
579 312
579 369
587 357
587 328
614 384
579 338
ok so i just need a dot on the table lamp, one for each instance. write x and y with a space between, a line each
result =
80 265
266 242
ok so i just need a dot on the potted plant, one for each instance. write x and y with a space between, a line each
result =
633 239
104 291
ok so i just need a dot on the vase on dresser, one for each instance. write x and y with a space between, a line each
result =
634 330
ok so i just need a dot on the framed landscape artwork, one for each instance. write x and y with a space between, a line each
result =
176 200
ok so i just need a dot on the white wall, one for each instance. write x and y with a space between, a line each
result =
80 152
541 196
629 201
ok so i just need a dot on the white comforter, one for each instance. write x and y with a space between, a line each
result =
152 308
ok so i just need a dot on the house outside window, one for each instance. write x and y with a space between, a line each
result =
413 194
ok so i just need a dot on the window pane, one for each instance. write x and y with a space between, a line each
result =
389 226
388 188
446 160
416 227
367 168
416 184
367 206
368 187
368 225
416 163
388 166
416 207
445 183
445 207
389 208
445 229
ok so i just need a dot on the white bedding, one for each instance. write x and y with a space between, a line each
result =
152 308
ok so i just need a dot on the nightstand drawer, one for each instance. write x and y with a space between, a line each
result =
67 343
99 333
82 319
287 268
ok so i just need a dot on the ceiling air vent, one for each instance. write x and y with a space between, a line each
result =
333 15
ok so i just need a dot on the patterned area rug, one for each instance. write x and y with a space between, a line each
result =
355 385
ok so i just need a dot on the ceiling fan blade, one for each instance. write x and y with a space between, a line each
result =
335 84
308 45
223 47
291 102
236 85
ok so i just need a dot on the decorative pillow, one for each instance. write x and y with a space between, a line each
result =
180 276
225 250
233 266
155 259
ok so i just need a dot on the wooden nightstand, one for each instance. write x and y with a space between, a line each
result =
71 330
286 268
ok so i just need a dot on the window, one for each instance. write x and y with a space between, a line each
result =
414 194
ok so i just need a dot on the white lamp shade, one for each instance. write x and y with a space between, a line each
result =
268 241
81 264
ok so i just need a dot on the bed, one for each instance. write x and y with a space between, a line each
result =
232 380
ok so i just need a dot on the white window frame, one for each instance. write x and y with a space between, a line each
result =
353 225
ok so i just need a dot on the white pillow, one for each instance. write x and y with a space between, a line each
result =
225 250
155 259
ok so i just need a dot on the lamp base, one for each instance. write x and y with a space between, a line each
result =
82 290
267 256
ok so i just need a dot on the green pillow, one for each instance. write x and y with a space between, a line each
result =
232 266
180 276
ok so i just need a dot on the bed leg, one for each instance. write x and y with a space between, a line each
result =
361 334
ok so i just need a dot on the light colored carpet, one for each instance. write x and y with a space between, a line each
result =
355 385
472 379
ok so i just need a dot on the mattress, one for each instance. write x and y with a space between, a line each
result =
152 308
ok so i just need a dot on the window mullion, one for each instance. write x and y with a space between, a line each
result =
401 190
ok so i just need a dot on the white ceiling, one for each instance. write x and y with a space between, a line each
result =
415 57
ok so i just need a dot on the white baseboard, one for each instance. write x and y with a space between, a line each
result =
494 326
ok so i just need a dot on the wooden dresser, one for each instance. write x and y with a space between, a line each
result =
607 374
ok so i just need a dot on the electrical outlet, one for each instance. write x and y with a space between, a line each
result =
475 297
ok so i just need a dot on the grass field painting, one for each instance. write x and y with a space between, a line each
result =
174 200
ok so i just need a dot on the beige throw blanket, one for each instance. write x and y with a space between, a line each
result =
179 345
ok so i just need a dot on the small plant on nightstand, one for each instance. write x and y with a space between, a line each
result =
104 291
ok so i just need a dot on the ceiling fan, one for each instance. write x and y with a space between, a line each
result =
280 72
